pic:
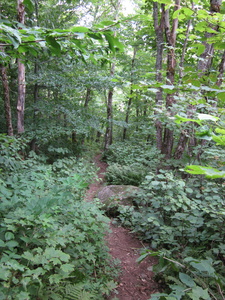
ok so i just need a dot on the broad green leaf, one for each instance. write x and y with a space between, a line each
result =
187 11
12 34
9 236
29 4
67 268
200 48
219 45
220 130
186 279
2 243
79 29
55 46
207 171
207 117
96 36
219 139
198 293
221 96
179 120
12 244
110 41
4 274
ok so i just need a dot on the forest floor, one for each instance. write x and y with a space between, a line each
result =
135 281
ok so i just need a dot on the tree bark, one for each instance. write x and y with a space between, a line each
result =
7 105
88 97
171 65
159 31
21 76
109 125
221 70
131 92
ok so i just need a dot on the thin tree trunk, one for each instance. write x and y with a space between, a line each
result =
184 49
21 76
7 106
109 125
181 145
88 97
221 70
131 92
159 31
171 65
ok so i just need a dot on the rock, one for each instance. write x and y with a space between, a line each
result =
114 195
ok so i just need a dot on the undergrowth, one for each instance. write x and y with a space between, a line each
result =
183 221
51 242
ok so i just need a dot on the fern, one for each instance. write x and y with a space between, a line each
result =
77 292
74 292
128 175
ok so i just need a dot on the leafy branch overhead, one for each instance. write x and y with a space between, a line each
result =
56 40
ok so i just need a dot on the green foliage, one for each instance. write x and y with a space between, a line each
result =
187 278
133 153
127 175
185 220
51 243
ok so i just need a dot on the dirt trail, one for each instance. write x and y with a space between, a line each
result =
136 279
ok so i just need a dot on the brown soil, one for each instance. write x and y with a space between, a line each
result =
136 279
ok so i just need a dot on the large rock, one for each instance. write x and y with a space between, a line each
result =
114 195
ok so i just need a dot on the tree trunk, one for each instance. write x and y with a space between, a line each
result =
88 97
159 31
221 70
109 125
181 145
171 65
21 76
207 56
131 92
7 105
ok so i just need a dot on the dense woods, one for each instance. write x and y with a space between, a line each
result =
141 81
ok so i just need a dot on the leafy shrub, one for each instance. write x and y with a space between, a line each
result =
63 245
51 242
128 153
185 220
127 175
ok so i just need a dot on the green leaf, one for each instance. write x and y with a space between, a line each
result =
110 41
23 296
2 243
200 48
67 268
219 139
179 120
187 11
55 46
142 257
198 293
221 96
220 130
12 244
29 4
207 117
9 236
207 171
79 29
186 279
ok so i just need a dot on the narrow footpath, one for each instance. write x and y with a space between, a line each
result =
136 279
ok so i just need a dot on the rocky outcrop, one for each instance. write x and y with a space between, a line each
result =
114 195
